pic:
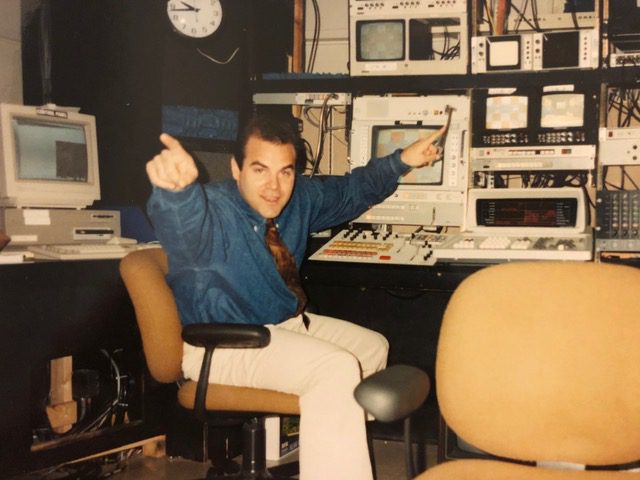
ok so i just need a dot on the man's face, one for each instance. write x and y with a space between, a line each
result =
267 176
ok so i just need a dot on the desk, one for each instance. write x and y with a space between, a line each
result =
51 309
404 303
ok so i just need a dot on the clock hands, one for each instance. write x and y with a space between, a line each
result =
188 8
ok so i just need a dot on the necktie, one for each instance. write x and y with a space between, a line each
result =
286 266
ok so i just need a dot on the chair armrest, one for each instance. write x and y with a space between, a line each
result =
394 393
220 335
226 335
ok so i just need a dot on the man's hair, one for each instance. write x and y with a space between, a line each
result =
270 128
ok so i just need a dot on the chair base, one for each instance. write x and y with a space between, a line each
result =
254 465
281 472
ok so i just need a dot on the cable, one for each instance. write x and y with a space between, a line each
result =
219 62
573 9
487 9
316 36
534 12
324 116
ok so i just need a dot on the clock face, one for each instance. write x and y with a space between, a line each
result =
195 18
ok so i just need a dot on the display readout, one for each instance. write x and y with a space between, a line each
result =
527 212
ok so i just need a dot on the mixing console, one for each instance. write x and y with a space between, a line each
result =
366 246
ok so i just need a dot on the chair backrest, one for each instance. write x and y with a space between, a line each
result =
541 361
143 273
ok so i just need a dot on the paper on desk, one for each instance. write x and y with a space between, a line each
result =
11 257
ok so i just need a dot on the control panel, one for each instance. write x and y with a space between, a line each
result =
618 220
382 247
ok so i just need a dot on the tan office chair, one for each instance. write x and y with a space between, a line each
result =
541 362
143 273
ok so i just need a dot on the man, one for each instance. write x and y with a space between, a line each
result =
221 270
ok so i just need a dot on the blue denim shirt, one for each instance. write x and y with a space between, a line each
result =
220 268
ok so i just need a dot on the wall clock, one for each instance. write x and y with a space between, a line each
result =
195 18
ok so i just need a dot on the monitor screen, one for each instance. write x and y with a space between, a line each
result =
562 110
506 112
503 52
386 139
380 40
50 151
49 157
561 49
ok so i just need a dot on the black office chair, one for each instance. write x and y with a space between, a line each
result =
162 335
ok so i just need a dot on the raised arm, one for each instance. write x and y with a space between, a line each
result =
173 168
177 205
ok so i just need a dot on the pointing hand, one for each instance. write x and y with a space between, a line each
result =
423 152
173 168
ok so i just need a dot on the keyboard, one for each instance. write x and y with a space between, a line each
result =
501 248
82 251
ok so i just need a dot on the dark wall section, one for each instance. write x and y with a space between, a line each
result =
121 61
105 57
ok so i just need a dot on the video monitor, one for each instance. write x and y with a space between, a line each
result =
380 40
386 139
562 110
506 112
503 53
561 49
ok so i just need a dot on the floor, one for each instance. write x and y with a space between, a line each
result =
389 458
132 465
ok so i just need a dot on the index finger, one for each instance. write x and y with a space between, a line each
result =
437 134
170 142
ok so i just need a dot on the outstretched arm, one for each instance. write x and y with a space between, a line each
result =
423 152
173 168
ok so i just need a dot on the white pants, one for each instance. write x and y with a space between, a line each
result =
323 366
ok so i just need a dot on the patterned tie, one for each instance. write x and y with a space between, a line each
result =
286 266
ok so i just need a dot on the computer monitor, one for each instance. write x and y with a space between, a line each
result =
49 157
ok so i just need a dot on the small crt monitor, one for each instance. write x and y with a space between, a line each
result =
506 112
562 110
380 40
561 49
503 53
386 139
49 157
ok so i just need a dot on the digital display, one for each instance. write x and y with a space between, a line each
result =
381 40
562 110
506 112
527 212
50 151
561 49
503 52
387 139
